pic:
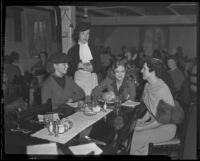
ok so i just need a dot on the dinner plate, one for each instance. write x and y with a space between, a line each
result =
67 123
108 102
74 104
90 113
130 103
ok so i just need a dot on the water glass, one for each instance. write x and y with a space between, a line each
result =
49 125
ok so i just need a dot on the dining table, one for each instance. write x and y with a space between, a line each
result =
17 142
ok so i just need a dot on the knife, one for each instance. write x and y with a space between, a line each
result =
96 141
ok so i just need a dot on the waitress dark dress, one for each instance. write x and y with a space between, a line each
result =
82 51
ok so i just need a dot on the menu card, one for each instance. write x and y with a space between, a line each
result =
85 149
50 148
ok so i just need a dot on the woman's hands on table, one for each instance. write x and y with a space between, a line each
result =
70 100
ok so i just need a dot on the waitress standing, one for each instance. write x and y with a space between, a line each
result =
83 51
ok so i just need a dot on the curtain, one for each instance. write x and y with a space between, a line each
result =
31 18
39 33
152 38
160 38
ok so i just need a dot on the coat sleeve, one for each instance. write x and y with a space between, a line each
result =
98 90
97 59
132 90
46 92
74 61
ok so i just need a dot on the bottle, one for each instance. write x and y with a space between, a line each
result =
55 128
50 128
105 106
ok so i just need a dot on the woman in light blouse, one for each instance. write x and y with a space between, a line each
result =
147 128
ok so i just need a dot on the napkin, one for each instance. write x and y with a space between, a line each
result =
85 149
50 148
41 117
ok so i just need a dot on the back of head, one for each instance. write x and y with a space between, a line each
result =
43 53
7 59
156 65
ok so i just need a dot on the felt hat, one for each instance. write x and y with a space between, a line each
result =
83 26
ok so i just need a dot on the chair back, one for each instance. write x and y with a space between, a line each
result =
182 128
184 93
24 84
175 147
33 111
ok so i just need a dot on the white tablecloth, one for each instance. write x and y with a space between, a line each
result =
80 122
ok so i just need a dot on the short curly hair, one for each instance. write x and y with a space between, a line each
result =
115 65
82 26
156 65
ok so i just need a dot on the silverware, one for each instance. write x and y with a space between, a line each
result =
25 131
96 141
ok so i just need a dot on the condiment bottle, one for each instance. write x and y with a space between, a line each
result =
50 128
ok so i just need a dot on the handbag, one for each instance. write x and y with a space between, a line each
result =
167 113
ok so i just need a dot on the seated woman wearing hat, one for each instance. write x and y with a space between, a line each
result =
59 87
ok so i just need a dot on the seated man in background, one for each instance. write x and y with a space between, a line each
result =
175 73
15 57
58 86
12 103
12 95
11 69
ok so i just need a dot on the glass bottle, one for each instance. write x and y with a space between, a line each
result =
50 128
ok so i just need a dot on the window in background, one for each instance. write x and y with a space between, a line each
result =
39 35
14 24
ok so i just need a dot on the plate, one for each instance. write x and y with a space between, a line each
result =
108 102
130 103
74 104
90 113
67 123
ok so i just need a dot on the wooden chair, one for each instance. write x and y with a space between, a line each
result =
122 140
39 109
173 148
24 84
18 118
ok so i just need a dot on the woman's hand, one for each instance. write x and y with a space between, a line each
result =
147 125
70 100
139 122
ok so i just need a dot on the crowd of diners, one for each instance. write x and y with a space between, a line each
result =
88 71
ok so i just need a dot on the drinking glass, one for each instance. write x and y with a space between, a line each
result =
49 126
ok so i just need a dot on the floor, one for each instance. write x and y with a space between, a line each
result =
190 150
